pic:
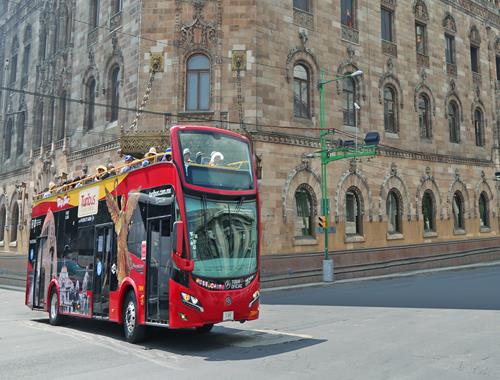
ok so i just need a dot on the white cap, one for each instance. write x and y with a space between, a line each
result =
216 154
186 151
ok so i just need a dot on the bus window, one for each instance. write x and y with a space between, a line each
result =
137 229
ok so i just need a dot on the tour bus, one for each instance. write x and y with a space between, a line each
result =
171 242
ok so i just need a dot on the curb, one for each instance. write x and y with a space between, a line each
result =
383 277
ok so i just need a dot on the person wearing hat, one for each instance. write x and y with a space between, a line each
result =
51 190
111 169
215 158
199 157
186 153
151 157
128 161
101 173
168 155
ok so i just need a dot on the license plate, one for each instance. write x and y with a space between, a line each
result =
228 316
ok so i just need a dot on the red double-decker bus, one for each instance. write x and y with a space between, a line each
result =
174 243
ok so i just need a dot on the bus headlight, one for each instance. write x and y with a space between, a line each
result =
255 298
191 301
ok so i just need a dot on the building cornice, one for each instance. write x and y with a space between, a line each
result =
476 9
97 149
15 172
311 142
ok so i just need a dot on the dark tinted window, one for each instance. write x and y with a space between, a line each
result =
386 19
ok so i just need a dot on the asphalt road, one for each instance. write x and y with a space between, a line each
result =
442 325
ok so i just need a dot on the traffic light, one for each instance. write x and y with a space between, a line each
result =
322 221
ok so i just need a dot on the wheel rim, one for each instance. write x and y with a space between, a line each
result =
53 306
130 317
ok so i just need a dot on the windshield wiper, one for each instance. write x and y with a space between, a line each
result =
204 208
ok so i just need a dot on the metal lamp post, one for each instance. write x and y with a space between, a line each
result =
329 155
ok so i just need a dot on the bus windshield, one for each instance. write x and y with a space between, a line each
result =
222 237
216 160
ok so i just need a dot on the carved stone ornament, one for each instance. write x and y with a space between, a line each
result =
420 10
349 34
474 35
304 38
198 33
449 23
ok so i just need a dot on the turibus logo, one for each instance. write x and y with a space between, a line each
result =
88 202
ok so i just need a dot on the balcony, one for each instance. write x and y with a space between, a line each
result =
389 48
303 18
451 70
350 34
422 60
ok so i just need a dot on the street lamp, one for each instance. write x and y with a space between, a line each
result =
344 151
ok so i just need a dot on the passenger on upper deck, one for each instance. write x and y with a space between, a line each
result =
128 160
168 155
151 157
215 158
186 153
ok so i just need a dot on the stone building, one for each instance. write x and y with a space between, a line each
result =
77 71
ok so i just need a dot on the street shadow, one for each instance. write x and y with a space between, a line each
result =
474 288
221 344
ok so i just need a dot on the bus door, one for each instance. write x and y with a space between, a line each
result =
103 251
158 263
39 275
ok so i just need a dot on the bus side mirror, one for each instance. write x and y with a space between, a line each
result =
177 245
178 237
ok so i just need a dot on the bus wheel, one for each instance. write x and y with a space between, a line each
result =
134 333
54 317
204 329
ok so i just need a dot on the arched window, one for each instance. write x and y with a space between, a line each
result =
13 61
394 217
8 138
94 14
26 56
479 127
198 83
424 117
353 212
301 106
484 211
3 216
14 222
21 121
349 97
37 133
304 218
458 211
303 5
115 92
61 122
90 98
428 211
453 122
390 116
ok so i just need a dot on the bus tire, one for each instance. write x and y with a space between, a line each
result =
134 332
205 328
54 316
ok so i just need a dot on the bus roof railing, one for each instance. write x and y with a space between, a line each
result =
134 165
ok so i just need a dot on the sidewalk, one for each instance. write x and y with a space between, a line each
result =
12 269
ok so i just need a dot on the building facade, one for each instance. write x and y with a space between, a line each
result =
75 73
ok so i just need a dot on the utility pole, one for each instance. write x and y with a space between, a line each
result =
369 149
